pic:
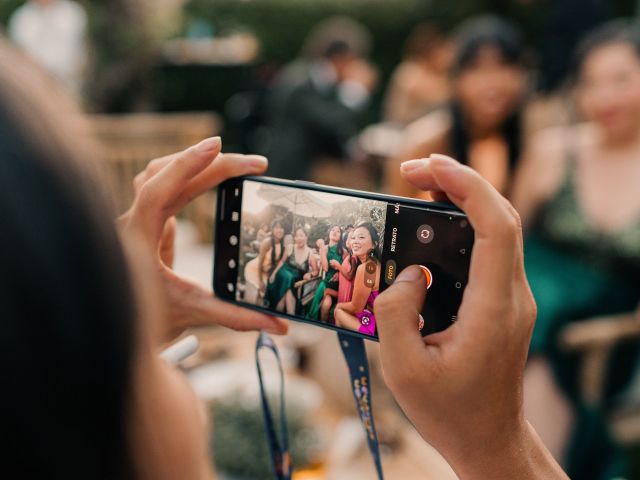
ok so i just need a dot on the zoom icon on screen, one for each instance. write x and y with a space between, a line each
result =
425 234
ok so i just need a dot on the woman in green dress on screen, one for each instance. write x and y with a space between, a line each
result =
296 264
579 199
330 261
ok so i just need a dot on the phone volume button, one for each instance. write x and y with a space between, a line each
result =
304 182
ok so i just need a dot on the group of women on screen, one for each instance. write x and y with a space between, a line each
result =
341 272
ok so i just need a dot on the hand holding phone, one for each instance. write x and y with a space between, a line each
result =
333 251
462 388
164 188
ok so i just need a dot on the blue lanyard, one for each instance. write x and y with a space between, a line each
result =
280 458
356 358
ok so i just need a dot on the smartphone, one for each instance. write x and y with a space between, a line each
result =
322 255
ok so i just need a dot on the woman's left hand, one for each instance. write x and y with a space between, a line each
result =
163 189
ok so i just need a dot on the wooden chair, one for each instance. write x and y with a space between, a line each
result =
306 289
595 340
130 141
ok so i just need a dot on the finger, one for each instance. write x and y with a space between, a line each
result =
219 312
165 186
227 165
441 197
158 194
167 242
497 249
152 168
417 173
397 310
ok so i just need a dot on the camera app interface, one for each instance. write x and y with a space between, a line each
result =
325 257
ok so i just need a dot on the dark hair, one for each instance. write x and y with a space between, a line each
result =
340 242
488 31
351 258
620 31
471 37
375 238
301 227
275 260
66 300
424 39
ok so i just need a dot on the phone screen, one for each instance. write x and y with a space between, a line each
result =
323 257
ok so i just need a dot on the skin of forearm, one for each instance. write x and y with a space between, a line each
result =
523 456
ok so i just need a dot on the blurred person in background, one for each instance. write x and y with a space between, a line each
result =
421 82
314 109
482 126
579 200
53 32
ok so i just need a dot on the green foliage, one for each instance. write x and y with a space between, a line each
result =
239 444
7 7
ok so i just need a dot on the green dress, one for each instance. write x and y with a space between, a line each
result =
290 272
314 308
578 272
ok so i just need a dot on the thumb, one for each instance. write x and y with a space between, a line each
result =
397 312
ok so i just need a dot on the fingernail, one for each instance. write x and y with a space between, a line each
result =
410 274
411 165
208 144
258 161
274 330
443 161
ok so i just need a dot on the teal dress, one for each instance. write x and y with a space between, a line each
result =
290 273
314 308
578 272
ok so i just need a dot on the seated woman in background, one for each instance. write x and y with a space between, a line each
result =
330 253
258 270
358 313
481 128
296 264
579 198
421 82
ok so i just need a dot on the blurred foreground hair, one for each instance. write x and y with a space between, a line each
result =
66 302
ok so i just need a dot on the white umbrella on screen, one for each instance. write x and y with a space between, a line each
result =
305 203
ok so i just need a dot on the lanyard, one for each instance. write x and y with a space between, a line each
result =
280 459
356 357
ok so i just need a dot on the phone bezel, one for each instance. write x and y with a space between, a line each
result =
437 207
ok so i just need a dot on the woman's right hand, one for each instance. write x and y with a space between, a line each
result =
462 388
335 264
